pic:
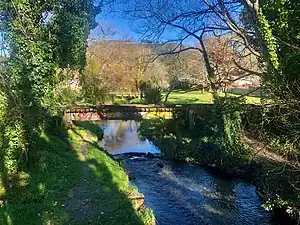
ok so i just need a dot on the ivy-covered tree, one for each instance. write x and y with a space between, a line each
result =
284 24
44 38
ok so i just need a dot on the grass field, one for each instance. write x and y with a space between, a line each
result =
197 97
70 181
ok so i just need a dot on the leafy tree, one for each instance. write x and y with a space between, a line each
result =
284 25
40 48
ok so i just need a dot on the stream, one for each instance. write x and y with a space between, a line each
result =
178 193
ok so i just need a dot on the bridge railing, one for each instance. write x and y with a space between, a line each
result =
122 108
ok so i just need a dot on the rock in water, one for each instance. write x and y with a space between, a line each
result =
160 165
137 199
130 175
150 155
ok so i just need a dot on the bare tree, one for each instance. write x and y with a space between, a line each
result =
197 21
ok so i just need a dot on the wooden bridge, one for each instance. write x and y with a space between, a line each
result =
130 112
122 108
116 112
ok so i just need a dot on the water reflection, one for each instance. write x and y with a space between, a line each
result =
122 137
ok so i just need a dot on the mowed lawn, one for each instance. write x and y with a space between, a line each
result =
197 97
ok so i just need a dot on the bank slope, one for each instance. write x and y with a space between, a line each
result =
70 181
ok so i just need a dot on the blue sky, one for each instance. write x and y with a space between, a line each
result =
124 28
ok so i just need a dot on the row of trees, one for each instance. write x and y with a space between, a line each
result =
122 66
242 26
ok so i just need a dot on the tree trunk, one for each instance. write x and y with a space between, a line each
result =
167 95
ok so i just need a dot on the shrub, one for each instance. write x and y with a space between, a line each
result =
153 95
227 130
68 96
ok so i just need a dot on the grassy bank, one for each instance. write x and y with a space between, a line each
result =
270 173
69 181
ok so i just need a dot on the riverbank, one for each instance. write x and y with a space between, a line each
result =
70 181
269 174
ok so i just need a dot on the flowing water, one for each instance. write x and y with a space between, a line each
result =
182 194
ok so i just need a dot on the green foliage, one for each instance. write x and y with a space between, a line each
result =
153 95
73 20
93 92
269 40
277 125
279 22
44 38
68 96
216 140
275 203
227 130
143 86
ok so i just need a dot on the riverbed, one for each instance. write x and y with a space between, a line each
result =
178 193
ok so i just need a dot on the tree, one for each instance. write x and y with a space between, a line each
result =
195 20
43 39
227 63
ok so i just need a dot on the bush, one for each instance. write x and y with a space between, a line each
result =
216 140
68 96
228 131
153 95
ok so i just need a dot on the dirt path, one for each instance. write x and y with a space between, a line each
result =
79 205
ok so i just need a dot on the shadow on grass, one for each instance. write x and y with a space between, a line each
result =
60 187
91 126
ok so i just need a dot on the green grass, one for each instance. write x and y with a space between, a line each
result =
192 97
68 184
197 97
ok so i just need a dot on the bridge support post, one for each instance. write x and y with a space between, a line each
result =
191 116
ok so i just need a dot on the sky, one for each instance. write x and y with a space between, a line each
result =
123 27
113 16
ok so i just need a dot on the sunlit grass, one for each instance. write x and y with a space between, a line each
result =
196 97
191 97
58 167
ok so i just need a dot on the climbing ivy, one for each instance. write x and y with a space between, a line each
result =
279 23
44 38
268 39
228 131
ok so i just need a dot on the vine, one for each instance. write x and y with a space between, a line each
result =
44 38
228 131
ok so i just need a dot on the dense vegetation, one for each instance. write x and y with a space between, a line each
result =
43 49
46 171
